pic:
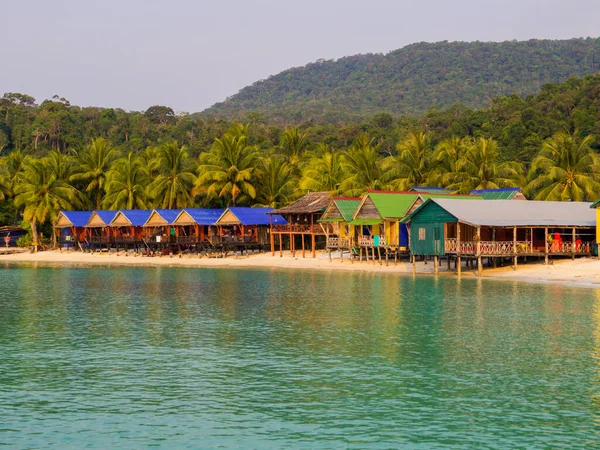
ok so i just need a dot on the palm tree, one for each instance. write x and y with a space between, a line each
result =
293 144
446 156
42 195
413 165
227 170
62 164
363 167
324 171
173 186
12 168
565 169
94 162
480 168
275 182
126 184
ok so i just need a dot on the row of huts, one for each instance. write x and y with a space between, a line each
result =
484 226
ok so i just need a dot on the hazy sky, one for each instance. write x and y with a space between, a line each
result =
189 54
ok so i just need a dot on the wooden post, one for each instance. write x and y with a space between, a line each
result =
458 265
312 245
303 247
360 250
379 254
329 248
478 251
414 264
546 246
292 243
436 268
515 247
494 241
573 244
272 240
280 245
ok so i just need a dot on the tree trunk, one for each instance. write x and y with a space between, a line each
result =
34 235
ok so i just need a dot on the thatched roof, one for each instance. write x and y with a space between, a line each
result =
313 202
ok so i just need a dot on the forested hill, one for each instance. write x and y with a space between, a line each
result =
412 80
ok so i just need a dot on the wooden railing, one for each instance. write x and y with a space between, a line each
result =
336 242
487 247
369 241
297 228
569 247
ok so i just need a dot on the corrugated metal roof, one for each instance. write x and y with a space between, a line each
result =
137 217
496 194
204 216
347 208
169 215
255 216
595 204
77 218
431 190
392 205
501 213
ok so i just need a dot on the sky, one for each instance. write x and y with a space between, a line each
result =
190 54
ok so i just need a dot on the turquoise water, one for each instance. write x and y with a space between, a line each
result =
175 358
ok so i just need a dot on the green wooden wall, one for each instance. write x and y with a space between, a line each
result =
427 230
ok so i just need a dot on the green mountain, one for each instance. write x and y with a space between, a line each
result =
412 80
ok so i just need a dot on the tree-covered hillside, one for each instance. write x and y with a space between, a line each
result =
412 80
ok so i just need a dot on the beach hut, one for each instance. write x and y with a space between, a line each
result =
194 224
160 223
378 221
247 225
127 227
301 218
500 194
98 232
498 228
335 222
70 228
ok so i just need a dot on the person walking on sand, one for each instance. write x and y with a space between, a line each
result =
7 239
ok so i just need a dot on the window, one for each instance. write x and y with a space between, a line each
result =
421 234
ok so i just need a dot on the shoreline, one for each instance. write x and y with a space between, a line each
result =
583 272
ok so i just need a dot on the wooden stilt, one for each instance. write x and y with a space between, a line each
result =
458 265
303 247
546 246
281 245
379 254
479 266
573 245
414 264
515 247
313 247
436 267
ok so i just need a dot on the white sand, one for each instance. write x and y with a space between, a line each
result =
582 271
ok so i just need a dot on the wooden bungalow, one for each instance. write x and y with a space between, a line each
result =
69 228
98 232
378 222
247 226
335 222
194 225
127 228
302 218
497 229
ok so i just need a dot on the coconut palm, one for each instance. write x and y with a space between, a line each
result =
227 171
173 185
12 169
275 182
293 144
62 164
94 162
480 168
363 167
42 195
413 165
324 171
565 169
126 184
446 156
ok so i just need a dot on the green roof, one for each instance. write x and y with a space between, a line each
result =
393 205
366 221
595 204
431 190
429 198
347 208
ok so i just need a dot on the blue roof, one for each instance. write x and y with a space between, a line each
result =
256 216
137 217
105 215
77 218
204 216
169 215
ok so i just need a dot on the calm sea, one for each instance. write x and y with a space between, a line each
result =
193 358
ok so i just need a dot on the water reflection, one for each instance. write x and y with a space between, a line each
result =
321 358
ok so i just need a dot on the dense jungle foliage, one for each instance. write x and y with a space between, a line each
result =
59 156
411 80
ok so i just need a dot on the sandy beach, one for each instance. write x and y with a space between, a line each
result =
581 272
